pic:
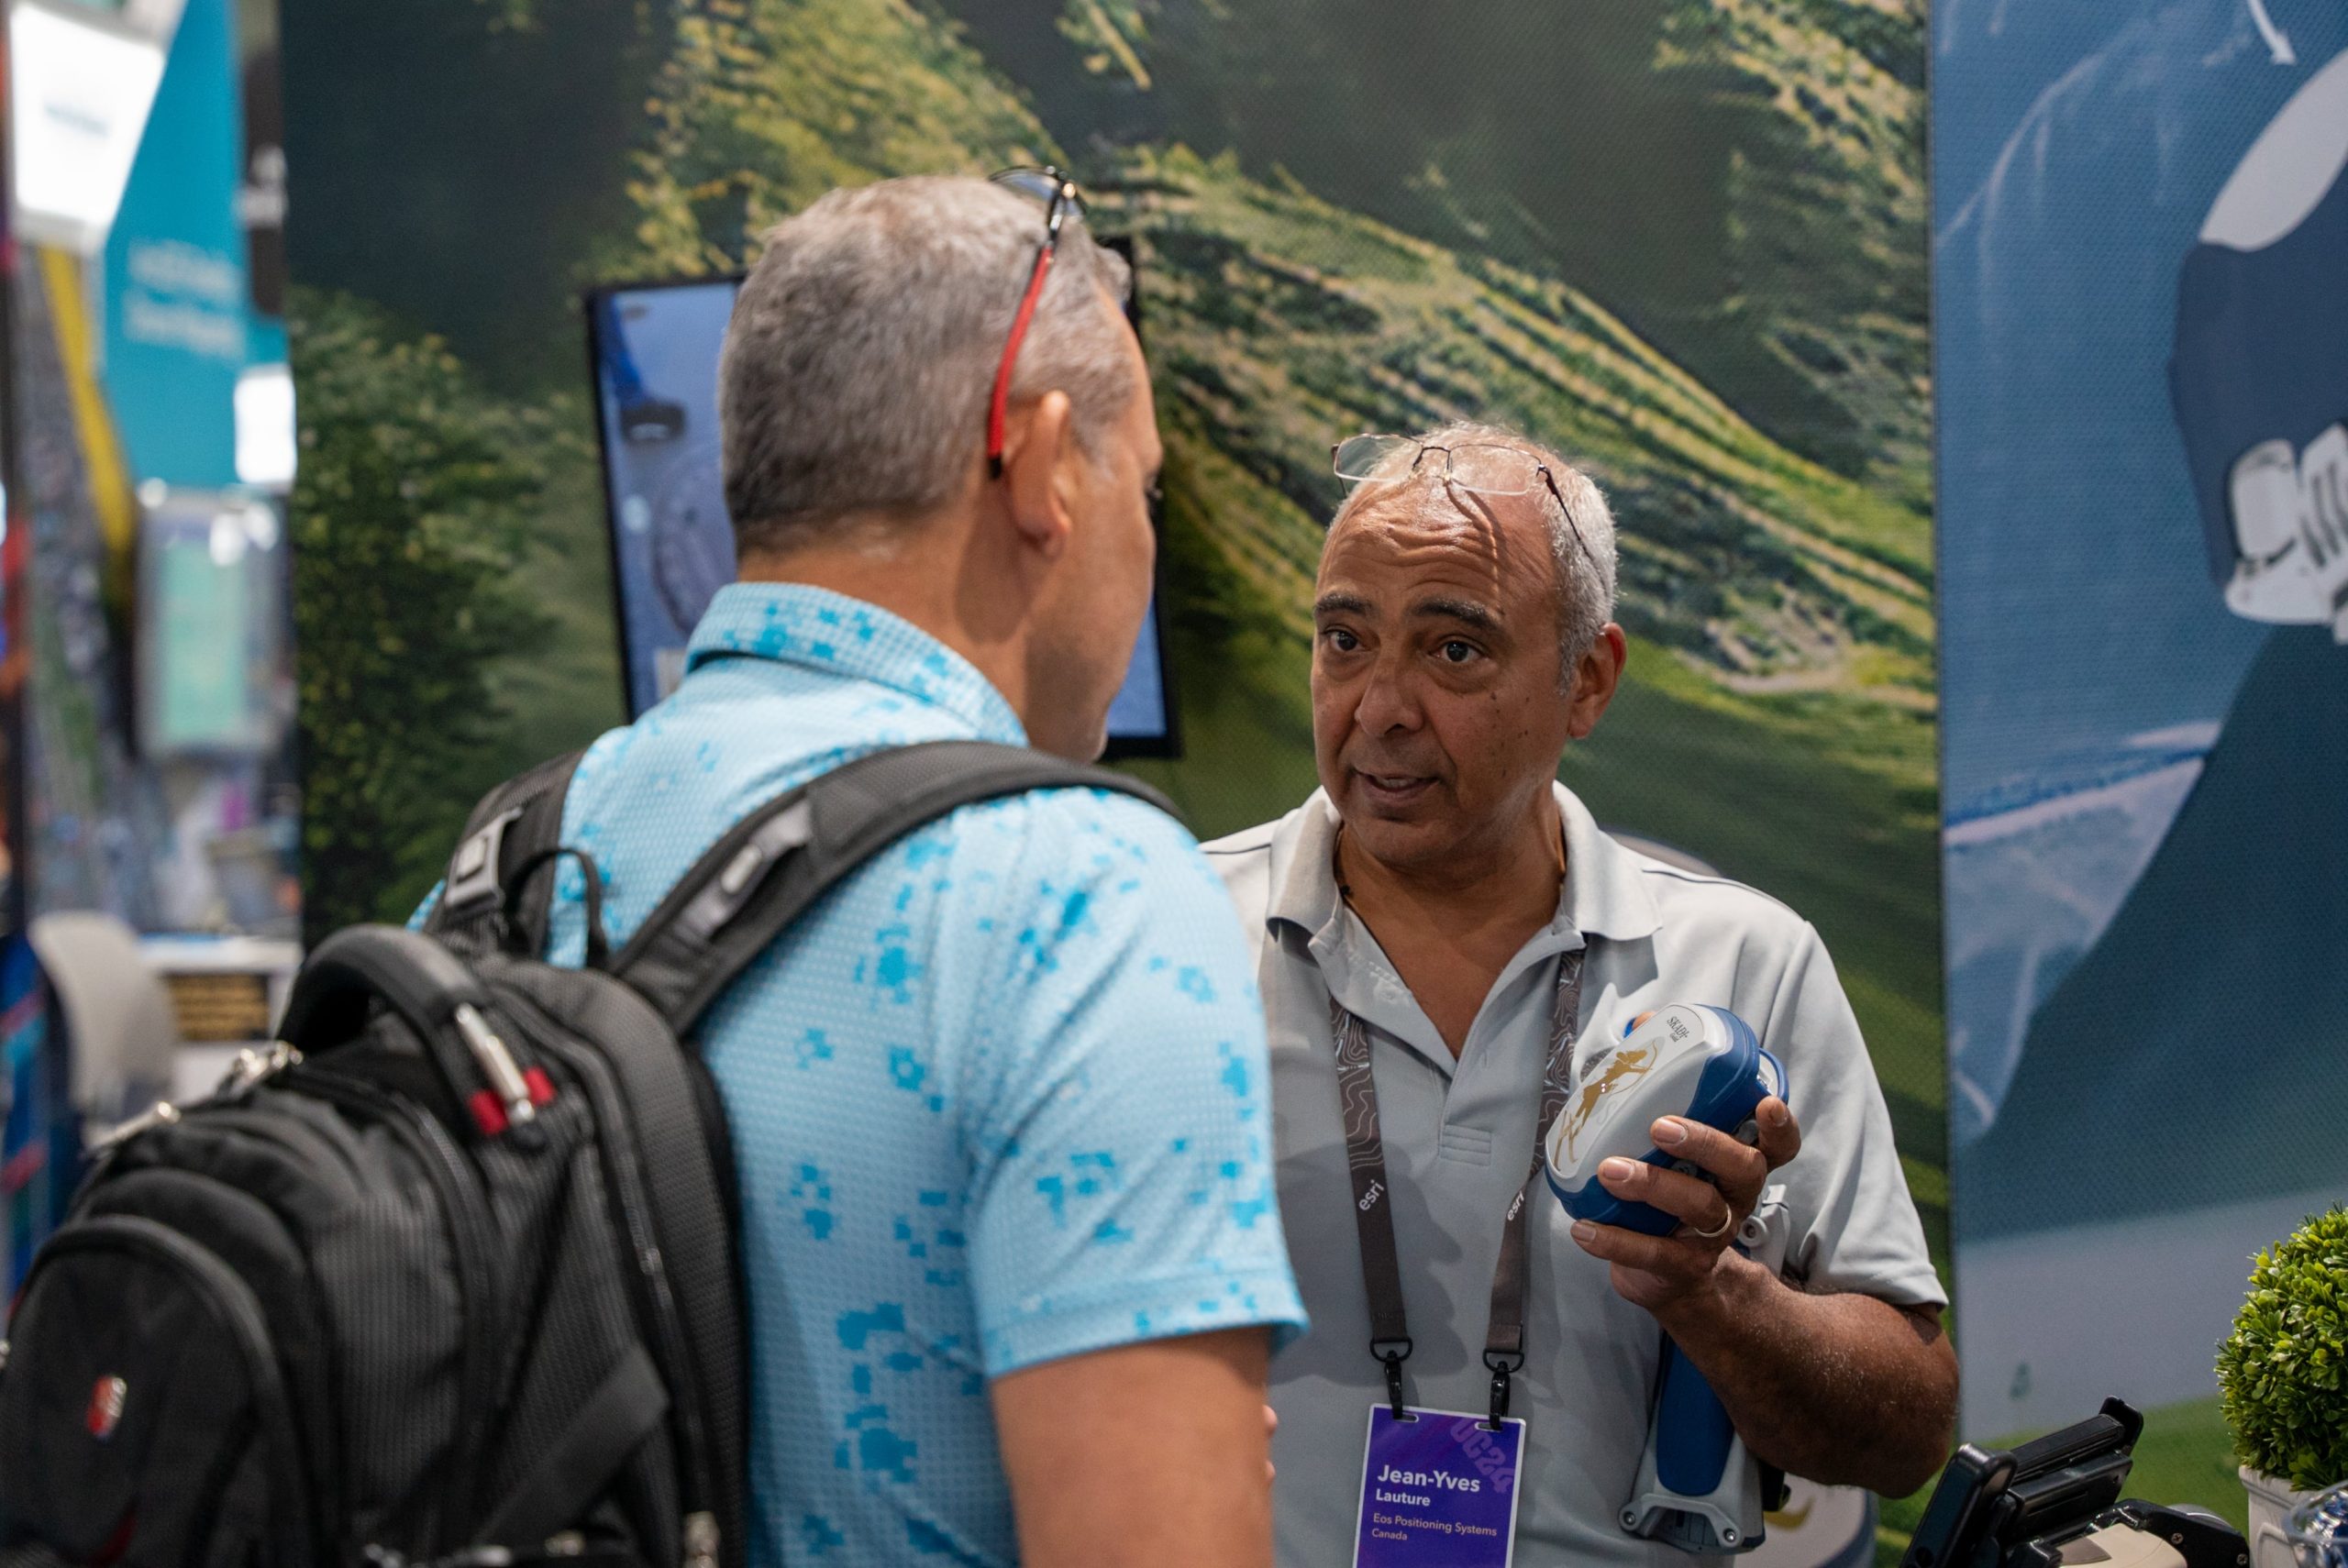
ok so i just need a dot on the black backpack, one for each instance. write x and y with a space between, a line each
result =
447 1275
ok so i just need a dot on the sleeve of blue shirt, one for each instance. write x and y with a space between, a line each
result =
1117 1098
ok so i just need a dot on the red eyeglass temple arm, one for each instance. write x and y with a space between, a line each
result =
1000 402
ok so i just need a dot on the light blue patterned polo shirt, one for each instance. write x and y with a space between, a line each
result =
1001 1097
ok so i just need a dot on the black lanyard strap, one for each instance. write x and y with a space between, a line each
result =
1381 1272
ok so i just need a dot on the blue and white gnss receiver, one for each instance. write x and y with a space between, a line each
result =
1698 1488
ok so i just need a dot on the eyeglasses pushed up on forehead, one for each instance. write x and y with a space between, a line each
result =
1059 194
1483 468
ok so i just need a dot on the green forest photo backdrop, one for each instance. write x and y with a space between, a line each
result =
1684 240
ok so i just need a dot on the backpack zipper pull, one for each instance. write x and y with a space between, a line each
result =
254 1068
496 1063
162 1114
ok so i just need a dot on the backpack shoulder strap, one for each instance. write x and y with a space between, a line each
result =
778 860
519 820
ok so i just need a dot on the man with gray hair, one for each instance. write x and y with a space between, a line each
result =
1438 929
998 1101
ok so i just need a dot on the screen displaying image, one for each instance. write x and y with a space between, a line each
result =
209 637
655 348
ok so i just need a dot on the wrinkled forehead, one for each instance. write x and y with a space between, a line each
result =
1419 522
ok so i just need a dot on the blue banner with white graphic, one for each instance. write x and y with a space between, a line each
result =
2142 346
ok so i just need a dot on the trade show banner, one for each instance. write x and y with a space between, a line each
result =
2140 211
145 675
158 672
1683 240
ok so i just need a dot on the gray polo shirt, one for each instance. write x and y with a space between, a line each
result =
1459 1140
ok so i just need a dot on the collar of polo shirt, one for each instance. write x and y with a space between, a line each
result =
1604 893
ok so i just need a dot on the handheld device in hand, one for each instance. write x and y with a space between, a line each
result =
1698 1488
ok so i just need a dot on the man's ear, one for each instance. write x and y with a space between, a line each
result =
1037 448
1596 679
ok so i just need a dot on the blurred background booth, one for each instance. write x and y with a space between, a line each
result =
148 696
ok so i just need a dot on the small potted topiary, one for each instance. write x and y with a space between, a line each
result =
2283 1378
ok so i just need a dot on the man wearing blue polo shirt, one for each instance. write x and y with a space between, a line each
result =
999 1102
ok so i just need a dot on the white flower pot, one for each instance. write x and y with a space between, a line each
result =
2270 1502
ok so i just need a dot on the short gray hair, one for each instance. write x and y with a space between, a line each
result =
863 351
1585 579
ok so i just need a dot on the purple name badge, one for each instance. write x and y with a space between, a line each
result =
1438 1491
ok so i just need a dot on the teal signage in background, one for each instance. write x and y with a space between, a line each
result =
177 319
210 606
208 696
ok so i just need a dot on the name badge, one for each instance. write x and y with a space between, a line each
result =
1438 1491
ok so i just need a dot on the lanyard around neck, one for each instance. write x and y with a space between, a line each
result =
1381 1272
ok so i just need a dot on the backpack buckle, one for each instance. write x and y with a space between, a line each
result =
472 885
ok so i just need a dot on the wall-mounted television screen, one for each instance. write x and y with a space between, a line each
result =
654 349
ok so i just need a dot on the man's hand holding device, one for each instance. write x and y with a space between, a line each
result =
1661 1272
1667 1202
